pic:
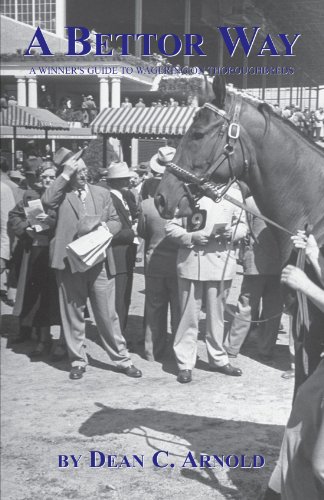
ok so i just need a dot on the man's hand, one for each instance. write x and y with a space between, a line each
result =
199 238
70 167
42 217
30 231
300 240
295 278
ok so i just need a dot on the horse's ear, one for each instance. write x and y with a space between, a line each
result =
219 89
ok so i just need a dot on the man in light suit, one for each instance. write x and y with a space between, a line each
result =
206 263
73 198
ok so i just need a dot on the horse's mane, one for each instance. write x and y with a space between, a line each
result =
267 112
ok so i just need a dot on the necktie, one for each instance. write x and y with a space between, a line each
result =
127 209
82 195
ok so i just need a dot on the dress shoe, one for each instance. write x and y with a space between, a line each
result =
184 376
131 371
228 370
77 372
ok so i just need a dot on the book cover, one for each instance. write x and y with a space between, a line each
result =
123 79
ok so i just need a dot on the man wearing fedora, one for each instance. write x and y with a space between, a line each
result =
74 199
123 247
158 163
161 282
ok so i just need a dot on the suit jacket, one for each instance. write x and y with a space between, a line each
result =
60 197
160 251
207 262
123 248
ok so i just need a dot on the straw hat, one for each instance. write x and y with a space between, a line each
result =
16 174
159 161
119 170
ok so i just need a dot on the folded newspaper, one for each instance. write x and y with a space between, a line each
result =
32 211
89 250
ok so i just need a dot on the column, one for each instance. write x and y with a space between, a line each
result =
60 18
138 26
115 103
310 97
115 92
134 152
104 93
21 91
32 92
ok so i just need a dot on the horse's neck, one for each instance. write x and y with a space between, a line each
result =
287 181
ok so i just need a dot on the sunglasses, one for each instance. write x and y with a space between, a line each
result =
52 177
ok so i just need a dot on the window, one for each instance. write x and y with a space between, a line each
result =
34 12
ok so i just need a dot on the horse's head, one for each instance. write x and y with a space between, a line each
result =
212 149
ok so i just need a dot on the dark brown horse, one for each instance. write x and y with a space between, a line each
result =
239 137
283 169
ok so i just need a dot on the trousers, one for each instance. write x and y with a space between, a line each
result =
185 342
159 293
74 289
254 288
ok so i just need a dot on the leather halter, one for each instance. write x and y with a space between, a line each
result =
204 185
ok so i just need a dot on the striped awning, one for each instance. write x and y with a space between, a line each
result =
156 121
22 116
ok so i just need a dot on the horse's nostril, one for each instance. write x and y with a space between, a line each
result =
160 201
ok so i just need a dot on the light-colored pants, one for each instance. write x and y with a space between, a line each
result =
185 343
74 289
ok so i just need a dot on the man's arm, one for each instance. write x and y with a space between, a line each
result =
296 278
110 216
55 194
179 235
312 251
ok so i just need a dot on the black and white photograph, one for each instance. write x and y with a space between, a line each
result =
162 249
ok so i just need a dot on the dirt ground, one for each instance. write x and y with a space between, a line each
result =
44 415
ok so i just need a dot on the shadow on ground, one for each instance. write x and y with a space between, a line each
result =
202 435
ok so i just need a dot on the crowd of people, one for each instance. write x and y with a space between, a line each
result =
189 266
310 122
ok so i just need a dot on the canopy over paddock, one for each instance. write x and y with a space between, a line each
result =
22 116
158 121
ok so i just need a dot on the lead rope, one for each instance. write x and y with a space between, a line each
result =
222 288
302 320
